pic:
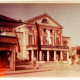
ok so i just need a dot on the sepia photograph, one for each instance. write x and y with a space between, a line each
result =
40 40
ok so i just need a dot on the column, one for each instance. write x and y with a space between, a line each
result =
47 55
60 36
40 55
54 55
13 59
24 47
61 54
54 37
32 55
67 55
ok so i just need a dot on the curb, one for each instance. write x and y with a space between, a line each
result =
24 72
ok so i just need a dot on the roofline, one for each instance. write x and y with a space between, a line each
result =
9 42
27 21
20 26
12 32
65 37
13 20
38 24
8 36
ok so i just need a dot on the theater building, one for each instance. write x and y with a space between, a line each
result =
54 46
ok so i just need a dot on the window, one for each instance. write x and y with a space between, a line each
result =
57 41
30 39
51 30
44 21
51 40
30 28
44 30
44 40
64 43
57 32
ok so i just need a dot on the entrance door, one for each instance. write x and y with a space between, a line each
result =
5 59
64 56
58 55
44 56
30 55
51 56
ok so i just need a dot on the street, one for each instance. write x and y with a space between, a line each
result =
50 70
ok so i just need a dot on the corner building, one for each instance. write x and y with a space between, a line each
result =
54 46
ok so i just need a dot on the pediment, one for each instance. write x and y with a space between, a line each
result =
44 19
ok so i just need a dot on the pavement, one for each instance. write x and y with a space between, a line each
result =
21 69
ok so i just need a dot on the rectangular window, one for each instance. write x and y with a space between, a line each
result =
57 41
30 28
51 30
64 43
30 39
44 29
57 32
51 40
44 40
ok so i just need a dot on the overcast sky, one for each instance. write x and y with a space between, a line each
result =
68 15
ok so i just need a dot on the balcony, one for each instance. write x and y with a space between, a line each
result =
49 46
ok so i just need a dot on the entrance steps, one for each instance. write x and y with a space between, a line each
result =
23 62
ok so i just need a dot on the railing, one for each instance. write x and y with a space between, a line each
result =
49 46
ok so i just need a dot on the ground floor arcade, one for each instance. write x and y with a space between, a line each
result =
49 55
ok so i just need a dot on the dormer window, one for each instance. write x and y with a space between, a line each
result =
44 21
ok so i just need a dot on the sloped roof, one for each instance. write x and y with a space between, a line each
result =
45 14
5 18
9 22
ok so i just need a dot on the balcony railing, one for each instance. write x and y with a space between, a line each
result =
49 46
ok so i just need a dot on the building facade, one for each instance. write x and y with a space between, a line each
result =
54 46
8 42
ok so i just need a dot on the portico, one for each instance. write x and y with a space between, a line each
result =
51 55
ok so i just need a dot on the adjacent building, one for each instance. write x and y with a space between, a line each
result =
8 42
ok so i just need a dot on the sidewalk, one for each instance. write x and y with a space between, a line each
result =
22 69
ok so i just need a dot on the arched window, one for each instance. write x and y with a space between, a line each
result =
44 21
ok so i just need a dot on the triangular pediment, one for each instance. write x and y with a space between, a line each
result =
44 19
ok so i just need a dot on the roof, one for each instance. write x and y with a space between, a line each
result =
8 19
9 22
65 37
45 14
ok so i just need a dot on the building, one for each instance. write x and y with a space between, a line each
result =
8 52
76 54
8 42
54 46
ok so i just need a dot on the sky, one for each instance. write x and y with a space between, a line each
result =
66 14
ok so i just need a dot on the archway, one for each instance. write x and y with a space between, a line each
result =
5 59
